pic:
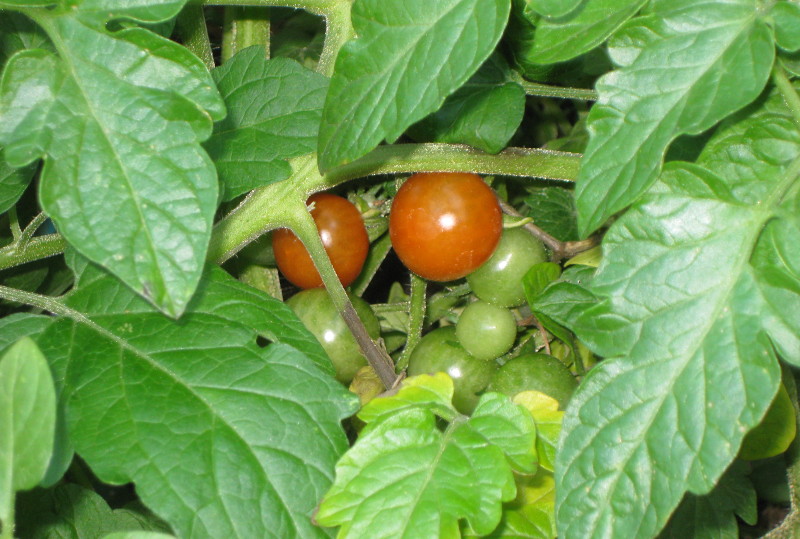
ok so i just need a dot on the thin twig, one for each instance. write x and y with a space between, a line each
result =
560 249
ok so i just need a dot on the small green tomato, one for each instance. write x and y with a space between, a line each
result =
486 331
315 309
499 280
440 351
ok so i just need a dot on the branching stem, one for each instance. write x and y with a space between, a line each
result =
416 319
560 249
303 225
546 90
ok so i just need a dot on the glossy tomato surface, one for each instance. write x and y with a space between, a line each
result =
440 351
499 280
343 234
486 331
444 225
317 312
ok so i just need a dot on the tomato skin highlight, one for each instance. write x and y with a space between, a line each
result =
343 234
444 225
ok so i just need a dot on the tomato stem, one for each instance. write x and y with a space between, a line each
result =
436 157
787 91
338 31
560 249
245 27
22 252
377 254
416 319
305 228
546 90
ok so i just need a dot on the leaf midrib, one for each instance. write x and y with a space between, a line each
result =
707 325
125 346
65 52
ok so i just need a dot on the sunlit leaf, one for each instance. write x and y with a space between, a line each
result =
274 110
118 119
257 428
404 477
27 421
682 67
408 57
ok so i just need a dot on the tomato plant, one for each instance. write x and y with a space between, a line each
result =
535 372
440 351
317 312
153 379
342 231
485 330
499 280
444 225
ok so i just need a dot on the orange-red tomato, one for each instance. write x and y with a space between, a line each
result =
443 225
343 234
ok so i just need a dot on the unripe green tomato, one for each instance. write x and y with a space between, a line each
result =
535 372
440 351
499 280
486 331
315 309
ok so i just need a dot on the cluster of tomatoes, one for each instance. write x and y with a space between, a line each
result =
443 227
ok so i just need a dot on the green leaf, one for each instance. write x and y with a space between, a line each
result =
267 318
404 477
548 418
683 67
13 182
532 514
567 38
714 515
70 511
27 3
141 10
786 20
538 277
761 143
274 110
693 345
553 8
409 56
777 262
27 421
776 431
258 428
569 303
591 257
18 325
12 328
17 33
138 535
431 392
553 210
137 201
484 113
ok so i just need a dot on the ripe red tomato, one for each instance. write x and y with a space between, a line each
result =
343 234
443 225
